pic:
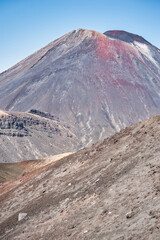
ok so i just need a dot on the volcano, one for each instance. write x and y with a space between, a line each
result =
99 83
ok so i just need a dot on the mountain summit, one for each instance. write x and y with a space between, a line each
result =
125 36
98 82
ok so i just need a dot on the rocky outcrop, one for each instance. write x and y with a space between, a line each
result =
28 136
43 114
12 125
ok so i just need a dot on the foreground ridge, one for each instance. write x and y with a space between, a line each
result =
107 191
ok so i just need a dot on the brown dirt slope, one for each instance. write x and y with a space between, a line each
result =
10 171
108 191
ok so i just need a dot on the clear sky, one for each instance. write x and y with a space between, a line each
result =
28 25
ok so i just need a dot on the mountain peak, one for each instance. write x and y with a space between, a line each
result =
125 36
82 33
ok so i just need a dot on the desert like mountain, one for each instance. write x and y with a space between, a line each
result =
97 83
28 136
107 191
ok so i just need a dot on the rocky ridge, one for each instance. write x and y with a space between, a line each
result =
27 136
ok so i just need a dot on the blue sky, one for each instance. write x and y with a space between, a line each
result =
28 25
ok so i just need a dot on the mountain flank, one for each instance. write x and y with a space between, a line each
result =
107 191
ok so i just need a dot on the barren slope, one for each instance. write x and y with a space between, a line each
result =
108 191
99 83
10 171
28 136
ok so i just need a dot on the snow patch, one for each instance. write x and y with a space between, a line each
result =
101 133
144 49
